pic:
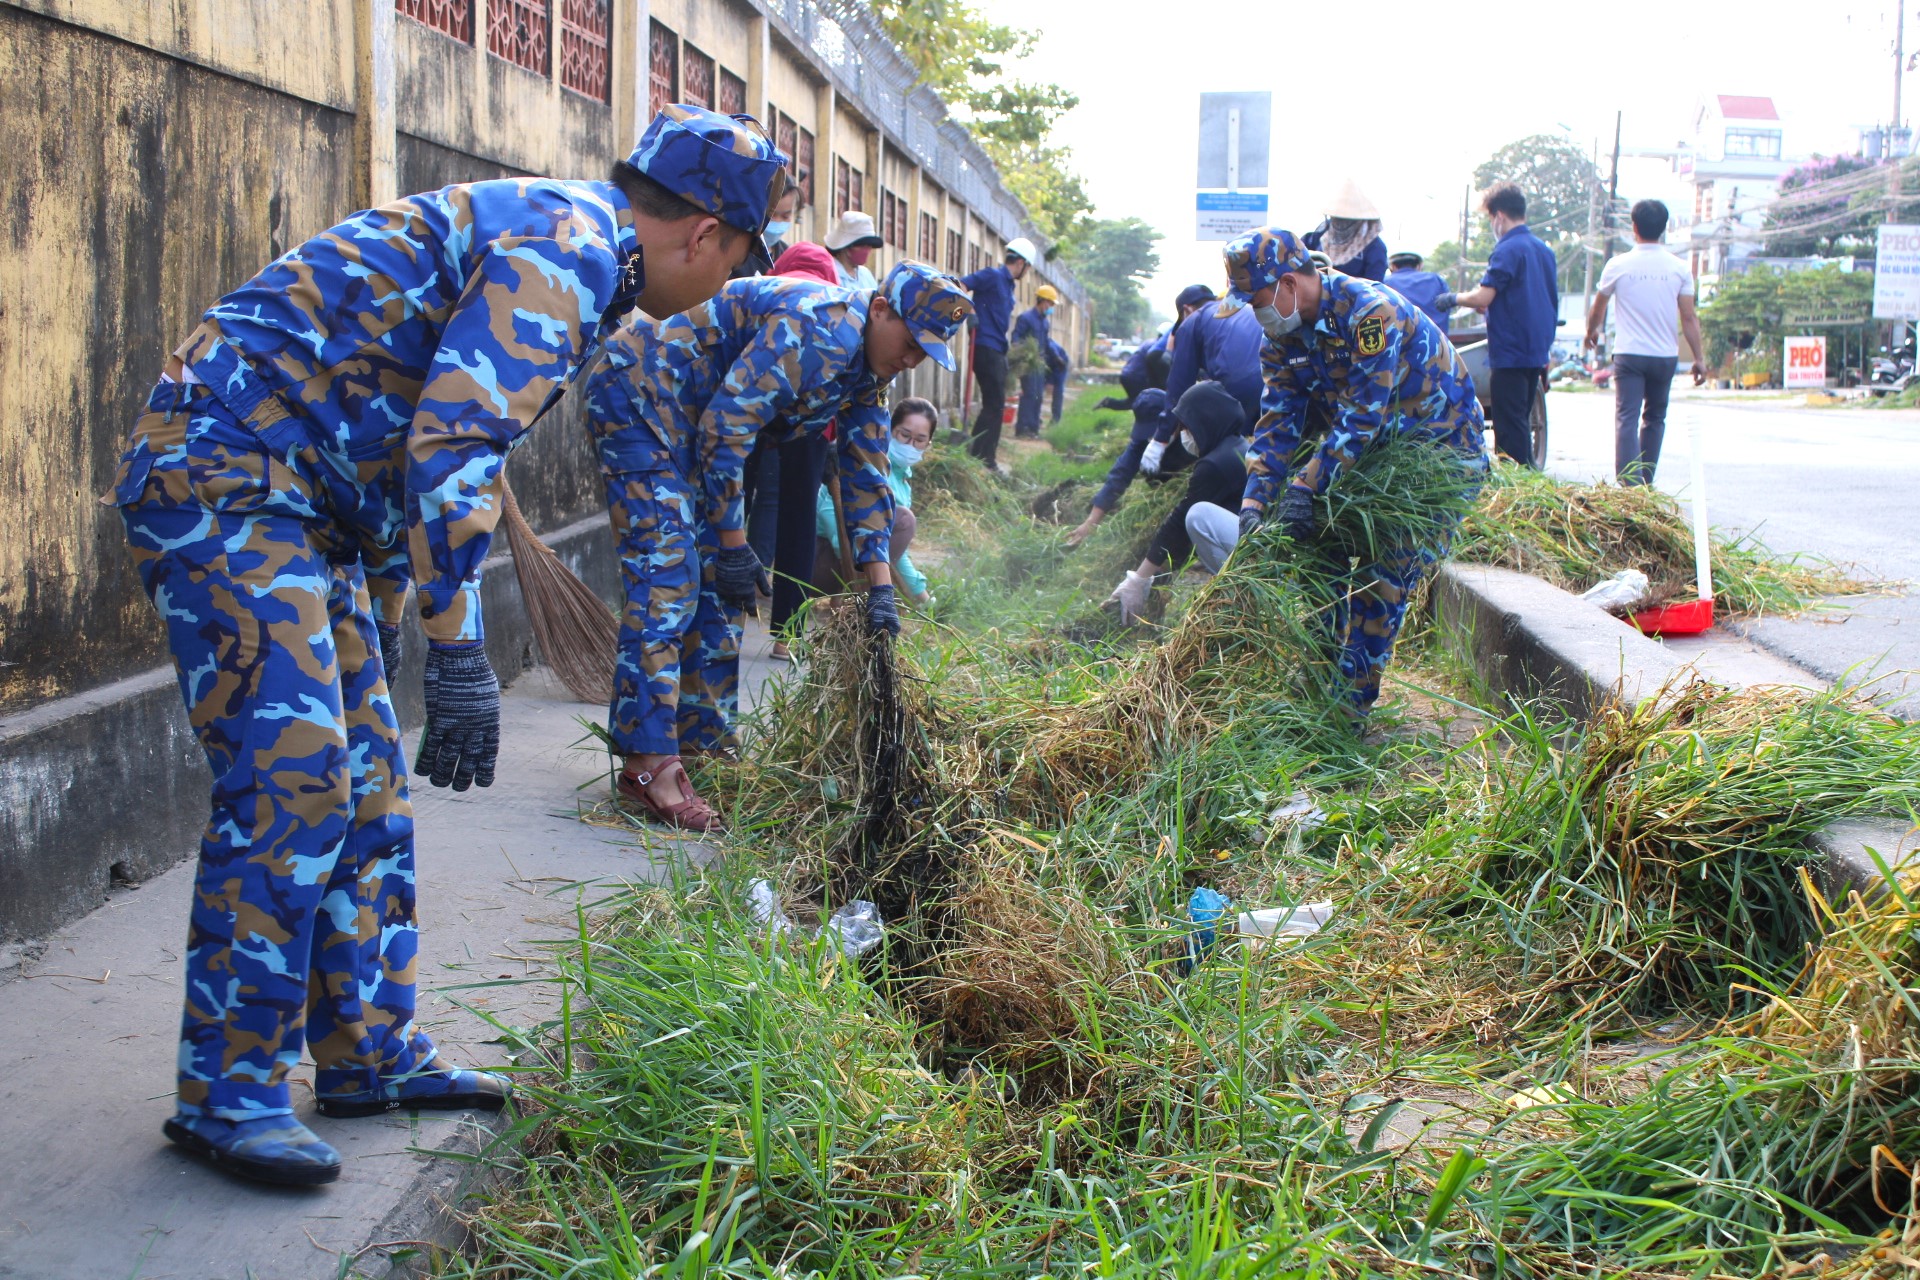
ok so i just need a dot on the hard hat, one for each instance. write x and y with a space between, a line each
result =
1021 247
1046 293
1404 257
1351 202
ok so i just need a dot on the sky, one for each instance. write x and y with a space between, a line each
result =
1407 98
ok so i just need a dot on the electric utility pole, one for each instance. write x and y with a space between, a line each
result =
1460 267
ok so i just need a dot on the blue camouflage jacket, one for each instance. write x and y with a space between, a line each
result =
1375 362
404 352
703 384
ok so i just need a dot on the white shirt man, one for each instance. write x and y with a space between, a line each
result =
1655 294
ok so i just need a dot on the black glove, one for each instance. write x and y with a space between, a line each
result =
881 613
463 717
389 649
1296 515
1446 301
737 575
1249 521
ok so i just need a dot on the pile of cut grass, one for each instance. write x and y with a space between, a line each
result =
1023 1082
1574 535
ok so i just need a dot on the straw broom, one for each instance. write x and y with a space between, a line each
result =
577 634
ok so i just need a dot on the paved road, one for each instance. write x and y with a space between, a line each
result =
1840 483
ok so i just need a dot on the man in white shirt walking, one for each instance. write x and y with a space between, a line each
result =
1652 286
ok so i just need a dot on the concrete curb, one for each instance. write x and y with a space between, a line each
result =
109 787
1532 641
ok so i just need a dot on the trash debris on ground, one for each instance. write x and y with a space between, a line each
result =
766 907
859 925
1621 594
1301 811
1284 922
1204 909
1542 1095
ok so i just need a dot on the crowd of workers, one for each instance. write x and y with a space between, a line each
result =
335 430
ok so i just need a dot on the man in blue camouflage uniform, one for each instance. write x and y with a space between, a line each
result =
334 429
1377 365
675 410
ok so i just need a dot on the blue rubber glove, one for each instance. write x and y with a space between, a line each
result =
462 739
882 614
1296 515
390 649
737 574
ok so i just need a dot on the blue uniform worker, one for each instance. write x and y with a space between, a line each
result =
1422 288
1379 366
675 411
334 429
1520 292
1031 328
991 289
1221 344
1146 367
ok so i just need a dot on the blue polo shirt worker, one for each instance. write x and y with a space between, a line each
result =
992 291
1521 295
1032 327
1407 276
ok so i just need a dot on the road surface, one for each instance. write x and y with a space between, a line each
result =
1839 483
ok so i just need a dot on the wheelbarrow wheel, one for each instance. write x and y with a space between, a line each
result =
1537 425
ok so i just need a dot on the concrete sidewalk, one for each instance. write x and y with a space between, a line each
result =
90 1189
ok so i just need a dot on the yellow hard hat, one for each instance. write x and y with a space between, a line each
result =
1047 293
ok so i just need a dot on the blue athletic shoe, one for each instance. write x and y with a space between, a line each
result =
434 1088
269 1149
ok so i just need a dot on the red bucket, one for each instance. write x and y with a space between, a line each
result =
1686 618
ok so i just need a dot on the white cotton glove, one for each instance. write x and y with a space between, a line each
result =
1150 460
1131 596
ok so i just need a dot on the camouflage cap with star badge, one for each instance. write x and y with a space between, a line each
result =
932 303
1258 258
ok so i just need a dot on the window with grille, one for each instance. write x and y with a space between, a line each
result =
973 258
663 69
584 47
784 132
802 154
448 17
517 32
954 241
696 81
733 94
929 238
887 214
857 190
842 185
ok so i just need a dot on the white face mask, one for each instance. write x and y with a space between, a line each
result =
1275 325
904 455
1188 443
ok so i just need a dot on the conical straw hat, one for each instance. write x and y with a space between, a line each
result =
1349 201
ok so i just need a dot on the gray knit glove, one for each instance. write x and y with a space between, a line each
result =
463 717
390 650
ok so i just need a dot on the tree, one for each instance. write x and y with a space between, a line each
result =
962 56
1824 223
1751 312
1115 257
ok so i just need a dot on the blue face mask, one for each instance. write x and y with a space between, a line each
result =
903 455
776 231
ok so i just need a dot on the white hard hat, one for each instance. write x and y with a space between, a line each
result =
1166 326
1021 247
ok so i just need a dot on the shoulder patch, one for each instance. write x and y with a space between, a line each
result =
1370 336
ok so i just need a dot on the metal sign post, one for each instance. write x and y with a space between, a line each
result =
1235 135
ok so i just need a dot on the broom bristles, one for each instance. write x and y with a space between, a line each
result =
577 634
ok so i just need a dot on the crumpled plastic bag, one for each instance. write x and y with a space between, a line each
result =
1301 811
1622 593
766 907
1284 922
859 926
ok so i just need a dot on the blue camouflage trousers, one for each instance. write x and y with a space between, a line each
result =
302 926
676 679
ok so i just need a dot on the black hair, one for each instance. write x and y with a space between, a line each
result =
1649 219
912 405
1505 197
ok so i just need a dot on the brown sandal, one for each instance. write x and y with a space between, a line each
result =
691 814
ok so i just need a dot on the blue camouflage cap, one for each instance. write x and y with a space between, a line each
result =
933 304
1257 258
724 164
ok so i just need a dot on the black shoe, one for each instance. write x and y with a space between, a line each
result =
277 1149
436 1088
